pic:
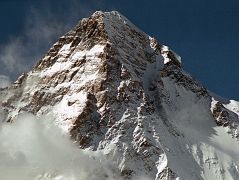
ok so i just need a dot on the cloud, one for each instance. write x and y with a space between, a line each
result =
4 81
43 25
34 148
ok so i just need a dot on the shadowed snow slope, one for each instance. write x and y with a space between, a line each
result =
117 92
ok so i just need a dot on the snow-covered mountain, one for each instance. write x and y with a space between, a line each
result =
114 89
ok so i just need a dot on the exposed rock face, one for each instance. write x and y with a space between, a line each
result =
220 114
225 116
114 88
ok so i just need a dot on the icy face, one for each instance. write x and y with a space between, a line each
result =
114 89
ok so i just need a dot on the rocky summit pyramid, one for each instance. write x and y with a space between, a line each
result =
115 89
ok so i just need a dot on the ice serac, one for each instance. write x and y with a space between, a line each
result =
115 89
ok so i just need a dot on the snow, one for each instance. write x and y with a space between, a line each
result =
114 17
63 64
89 72
95 51
201 145
152 72
57 67
86 78
233 106
162 163
177 57
213 104
164 52
66 112
65 49
78 55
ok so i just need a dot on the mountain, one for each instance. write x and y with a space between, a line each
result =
114 89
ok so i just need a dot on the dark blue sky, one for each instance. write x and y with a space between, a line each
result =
204 33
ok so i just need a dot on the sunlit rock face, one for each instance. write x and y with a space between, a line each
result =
116 90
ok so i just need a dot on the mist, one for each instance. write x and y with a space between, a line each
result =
4 81
35 148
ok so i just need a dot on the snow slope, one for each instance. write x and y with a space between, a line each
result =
115 90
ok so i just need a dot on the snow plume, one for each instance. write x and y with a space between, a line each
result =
34 148
42 27
4 81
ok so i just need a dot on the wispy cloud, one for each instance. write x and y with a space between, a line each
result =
34 148
4 81
42 27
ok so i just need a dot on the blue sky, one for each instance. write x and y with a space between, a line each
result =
204 33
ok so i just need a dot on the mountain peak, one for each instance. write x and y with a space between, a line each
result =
114 89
